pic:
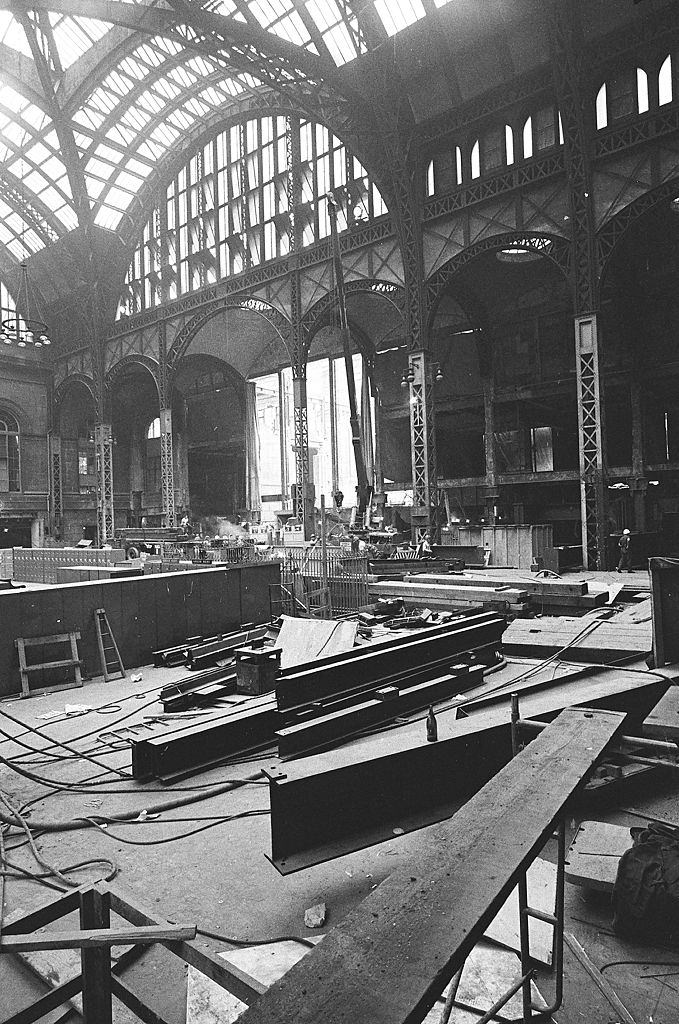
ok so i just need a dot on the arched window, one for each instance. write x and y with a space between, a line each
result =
228 209
622 96
665 92
154 429
431 181
541 131
444 171
476 160
10 470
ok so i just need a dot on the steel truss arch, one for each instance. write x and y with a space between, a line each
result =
117 370
319 314
557 248
75 378
610 233
251 304
231 376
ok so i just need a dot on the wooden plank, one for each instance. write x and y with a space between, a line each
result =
390 958
443 592
663 721
95 938
541 587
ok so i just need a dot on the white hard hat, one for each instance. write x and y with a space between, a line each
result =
625 531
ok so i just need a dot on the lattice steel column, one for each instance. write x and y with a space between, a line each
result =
166 441
423 447
56 492
575 107
103 442
589 424
167 467
303 507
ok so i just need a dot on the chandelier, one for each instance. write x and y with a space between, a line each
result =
29 329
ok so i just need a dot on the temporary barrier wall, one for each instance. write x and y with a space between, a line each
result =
145 613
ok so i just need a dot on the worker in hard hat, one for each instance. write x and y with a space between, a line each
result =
625 557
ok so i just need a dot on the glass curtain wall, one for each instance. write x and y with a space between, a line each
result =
331 457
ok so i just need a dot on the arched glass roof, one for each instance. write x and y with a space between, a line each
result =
96 94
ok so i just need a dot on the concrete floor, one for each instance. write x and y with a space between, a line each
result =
222 881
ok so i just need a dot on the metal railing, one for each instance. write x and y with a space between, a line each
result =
318 586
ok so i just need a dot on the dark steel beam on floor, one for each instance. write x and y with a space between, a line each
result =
390 959
358 670
324 807
324 730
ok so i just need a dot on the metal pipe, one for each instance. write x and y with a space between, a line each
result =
515 721
635 742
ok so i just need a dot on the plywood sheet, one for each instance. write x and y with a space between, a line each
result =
305 640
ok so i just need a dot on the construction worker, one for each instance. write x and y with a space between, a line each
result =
624 544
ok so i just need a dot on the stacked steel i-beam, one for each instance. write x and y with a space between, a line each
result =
316 705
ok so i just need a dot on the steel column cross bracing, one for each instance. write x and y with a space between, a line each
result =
389 960
575 108
103 438
591 453
55 485
423 444
166 442
297 333
167 467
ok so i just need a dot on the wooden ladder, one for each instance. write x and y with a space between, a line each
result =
109 655
73 662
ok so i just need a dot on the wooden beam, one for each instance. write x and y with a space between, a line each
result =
94 938
390 958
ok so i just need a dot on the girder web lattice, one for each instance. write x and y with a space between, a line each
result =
423 441
56 491
591 458
103 438
167 467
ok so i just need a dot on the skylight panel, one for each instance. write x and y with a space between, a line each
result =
151 101
94 186
340 32
396 15
120 133
130 181
12 34
107 218
89 118
100 168
68 216
15 133
340 44
118 198
75 36
35 181
37 153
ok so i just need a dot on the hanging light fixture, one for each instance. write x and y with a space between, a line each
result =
29 329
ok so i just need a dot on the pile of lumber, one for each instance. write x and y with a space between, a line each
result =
441 593
598 641
520 591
